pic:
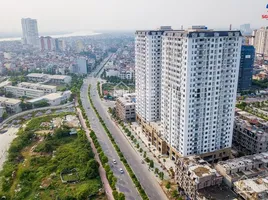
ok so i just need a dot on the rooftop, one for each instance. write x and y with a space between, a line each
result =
5 83
254 185
26 84
37 75
49 97
252 126
197 166
128 99
9 100
244 161
58 76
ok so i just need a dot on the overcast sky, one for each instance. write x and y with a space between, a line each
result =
77 15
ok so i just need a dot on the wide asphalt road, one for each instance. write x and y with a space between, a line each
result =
124 182
147 180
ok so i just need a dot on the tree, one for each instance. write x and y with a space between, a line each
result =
151 165
92 169
5 115
104 159
168 186
141 150
161 175
174 193
138 145
144 154
42 103
26 106
156 170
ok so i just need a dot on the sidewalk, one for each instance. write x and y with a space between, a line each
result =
136 128
106 185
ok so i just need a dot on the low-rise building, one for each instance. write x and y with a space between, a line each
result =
37 86
60 79
193 174
252 189
250 134
244 167
11 105
36 77
24 92
125 107
57 79
54 99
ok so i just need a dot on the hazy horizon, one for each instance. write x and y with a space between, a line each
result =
120 15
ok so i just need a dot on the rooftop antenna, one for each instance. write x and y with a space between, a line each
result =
230 27
181 27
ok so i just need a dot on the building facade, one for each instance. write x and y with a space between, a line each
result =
24 92
250 134
47 43
246 67
261 41
193 174
80 67
245 29
148 57
125 107
11 105
30 32
244 167
252 189
36 86
198 90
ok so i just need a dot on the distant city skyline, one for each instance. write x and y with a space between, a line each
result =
63 16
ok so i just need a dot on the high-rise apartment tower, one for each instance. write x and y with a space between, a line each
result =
30 32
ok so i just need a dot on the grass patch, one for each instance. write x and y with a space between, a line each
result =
35 162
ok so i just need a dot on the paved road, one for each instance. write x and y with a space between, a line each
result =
124 182
147 180
12 117
106 185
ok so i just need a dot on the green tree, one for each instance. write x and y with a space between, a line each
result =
5 115
161 175
151 165
156 170
92 169
174 193
144 154
168 186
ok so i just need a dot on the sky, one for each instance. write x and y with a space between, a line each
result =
80 15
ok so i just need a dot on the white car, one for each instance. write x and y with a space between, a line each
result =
114 161
121 171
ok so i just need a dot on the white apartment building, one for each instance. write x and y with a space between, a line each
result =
54 99
198 90
30 32
24 92
37 86
36 77
148 56
261 41
11 105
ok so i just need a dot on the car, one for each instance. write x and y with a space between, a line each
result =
114 161
121 171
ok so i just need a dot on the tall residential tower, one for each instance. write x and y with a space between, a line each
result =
30 32
196 72
198 91
148 56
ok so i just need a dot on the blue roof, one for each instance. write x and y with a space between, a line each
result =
267 6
